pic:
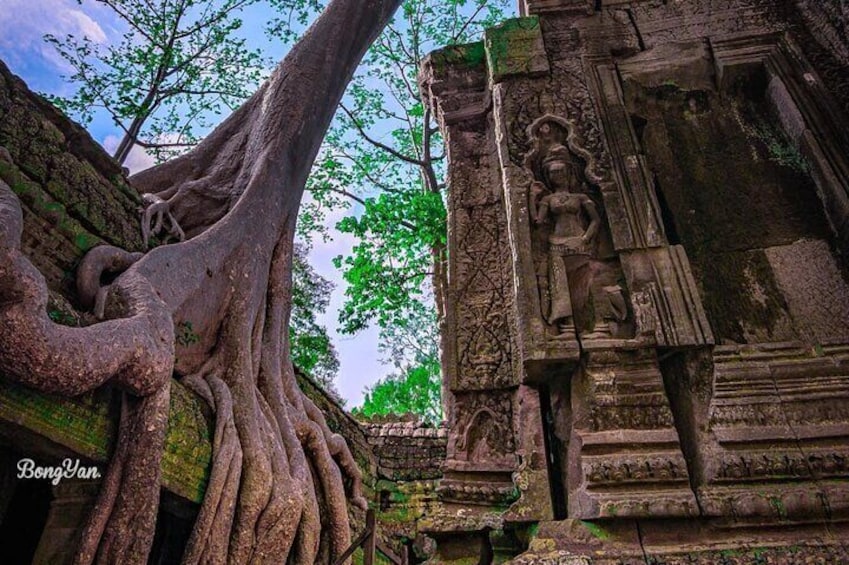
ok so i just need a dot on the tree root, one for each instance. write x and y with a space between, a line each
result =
153 220
135 352
127 505
280 479
103 259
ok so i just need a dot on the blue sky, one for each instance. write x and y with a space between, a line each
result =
25 22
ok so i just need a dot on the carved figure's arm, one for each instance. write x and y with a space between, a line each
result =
595 220
537 190
542 213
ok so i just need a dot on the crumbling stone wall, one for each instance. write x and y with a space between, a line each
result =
73 195
410 458
407 451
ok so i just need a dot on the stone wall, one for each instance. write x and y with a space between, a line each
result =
407 451
73 195
821 26
828 22
667 186
410 458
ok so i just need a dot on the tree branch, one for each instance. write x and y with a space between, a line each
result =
392 151
456 38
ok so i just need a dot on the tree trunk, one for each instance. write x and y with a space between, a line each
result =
280 478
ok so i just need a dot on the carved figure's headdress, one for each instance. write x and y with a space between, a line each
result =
553 139
544 124
558 154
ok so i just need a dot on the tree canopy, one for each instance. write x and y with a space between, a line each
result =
416 390
178 64
383 160
312 350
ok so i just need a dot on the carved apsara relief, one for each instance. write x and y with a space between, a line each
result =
483 434
580 283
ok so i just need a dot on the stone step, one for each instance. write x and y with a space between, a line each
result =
626 542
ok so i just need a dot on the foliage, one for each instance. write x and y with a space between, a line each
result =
185 334
312 350
415 390
177 64
383 159
392 261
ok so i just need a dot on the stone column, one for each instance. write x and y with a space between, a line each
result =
72 502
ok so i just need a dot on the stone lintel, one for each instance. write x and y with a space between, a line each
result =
453 80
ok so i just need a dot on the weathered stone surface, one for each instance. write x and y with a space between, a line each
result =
515 47
705 421
73 194
822 29
625 458
766 429
665 297
638 542
816 292
407 451
531 478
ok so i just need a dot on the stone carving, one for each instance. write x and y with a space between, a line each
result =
618 394
759 466
635 469
483 437
478 335
660 422
486 493
560 196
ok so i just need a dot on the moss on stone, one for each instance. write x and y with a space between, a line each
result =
399 514
596 530
87 424
469 55
512 47
729 197
188 445
732 308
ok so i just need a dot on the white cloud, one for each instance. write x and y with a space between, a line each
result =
81 21
25 22
137 160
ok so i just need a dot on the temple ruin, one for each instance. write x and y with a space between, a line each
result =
646 336
646 325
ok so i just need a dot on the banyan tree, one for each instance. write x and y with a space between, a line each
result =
280 479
